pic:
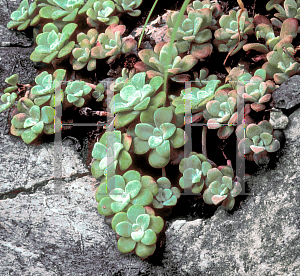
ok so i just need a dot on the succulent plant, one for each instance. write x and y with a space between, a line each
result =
75 92
121 81
136 95
82 52
129 6
8 101
203 78
221 114
158 137
154 62
221 187
51 43
255 89
13 82
290 9
194 170
98 93
23 16
118 193
111 44
32 120
138 229
214 6
281 63
193 28
101 11
112 149
256 138
266 32
227 37
166 195
271 3
44 89
55 9
199 97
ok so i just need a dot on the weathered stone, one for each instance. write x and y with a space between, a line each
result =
47 233
278 120
288 94
24 166
14 60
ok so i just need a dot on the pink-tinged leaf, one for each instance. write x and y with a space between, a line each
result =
128 45
265 98
248 97
158 47
146 54
237 189
201 51
280 78
181 78
174 70
257 107
216 199
141 66
257 149
257 47
213 124
151 74
289 27
233 119
98 52
187 63
224 132
261 19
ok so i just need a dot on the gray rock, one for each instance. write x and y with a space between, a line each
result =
288 94
26 166
48 233
278 120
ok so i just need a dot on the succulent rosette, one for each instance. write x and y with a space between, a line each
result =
121 81
214 6
111 44
221 114
44 90
56 9
101 11
281 64
32 120
118 193
8 100
256 139
51 43
155 62
75 91
138 229
255 89
24 16
82 52
227 37
265 31
194 170
98 93
111 150
166 195
198 97
193 27
136 96
13 82
221 187
159 138
129 6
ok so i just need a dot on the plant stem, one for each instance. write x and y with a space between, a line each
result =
163 171
204 133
